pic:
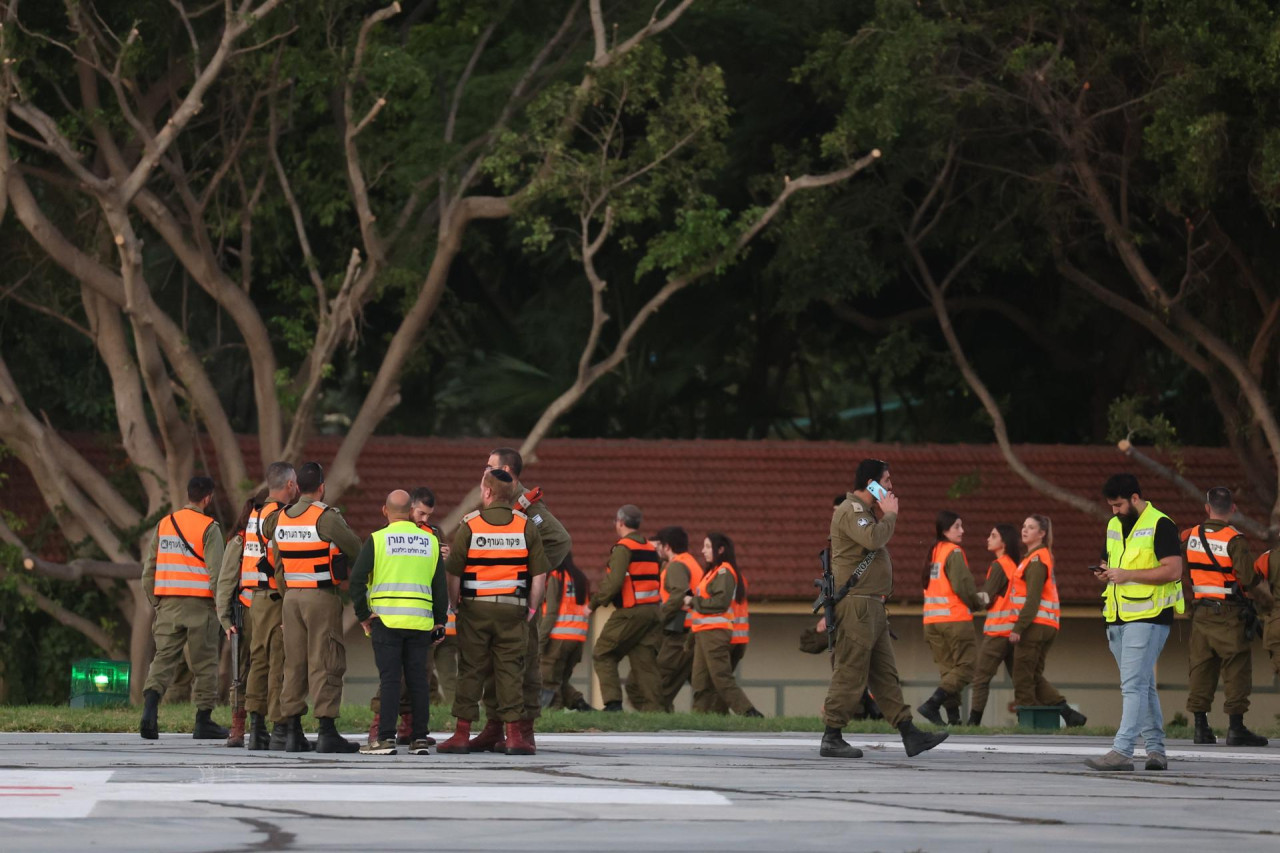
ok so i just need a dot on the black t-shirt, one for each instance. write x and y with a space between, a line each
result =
1167 543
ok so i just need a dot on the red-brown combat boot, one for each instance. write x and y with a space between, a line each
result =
404 732
528 733
459 743
489 738
235 738
517 742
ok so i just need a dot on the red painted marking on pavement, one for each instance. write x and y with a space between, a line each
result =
30 795
36 788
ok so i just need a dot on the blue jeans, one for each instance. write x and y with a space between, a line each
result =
1136 646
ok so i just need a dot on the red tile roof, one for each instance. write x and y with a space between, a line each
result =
772 497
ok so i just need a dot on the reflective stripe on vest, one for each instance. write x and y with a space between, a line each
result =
941 604
405 559
180 571
1132 601
572 621
307 558
254 548
497 558
451 625
741 617
1001 616
722 621
1009 606
641 585
691 563
1207 579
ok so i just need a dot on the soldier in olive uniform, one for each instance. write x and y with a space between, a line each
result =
1266 593
863 647
631 584
179 575
313 548
1222 574
681 574
497 568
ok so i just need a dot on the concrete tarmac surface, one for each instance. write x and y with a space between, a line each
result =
678 791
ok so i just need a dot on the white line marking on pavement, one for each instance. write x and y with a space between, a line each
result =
74 794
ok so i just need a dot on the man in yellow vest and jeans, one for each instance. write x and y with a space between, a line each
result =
1142 567
400 598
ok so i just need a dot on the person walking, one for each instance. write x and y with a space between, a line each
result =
1222 579
863 647
712 608
681 574
399 597
566 620
1142 570
179 575
950 598
1005 544
631 585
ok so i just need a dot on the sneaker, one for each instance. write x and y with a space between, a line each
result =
421 747
1111 761
379 747
1156 761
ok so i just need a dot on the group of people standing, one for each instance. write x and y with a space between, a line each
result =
504 595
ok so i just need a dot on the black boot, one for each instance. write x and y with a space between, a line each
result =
929 710
975 717
295 740
1204 734
206 728
258 737
1238 735
917 741
953 716
613 707
330 741
149 728
1073 718
279 737
834 745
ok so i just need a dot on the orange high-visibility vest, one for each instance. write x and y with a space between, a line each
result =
180 568
641 585
941 604
572 620
714 621
1208 580
306 557
497 558
1049 612
695 577
1262 565
1001 615
741 617
255 547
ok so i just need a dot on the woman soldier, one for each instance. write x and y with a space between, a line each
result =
713 608
950 598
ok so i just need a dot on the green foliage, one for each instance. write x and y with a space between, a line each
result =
1127 420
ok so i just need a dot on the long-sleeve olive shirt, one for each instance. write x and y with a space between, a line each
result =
720 592
556 541
213 549
676 582
615 573
331 526
855 531
997 581
1034 576
961 580
551 608
229 579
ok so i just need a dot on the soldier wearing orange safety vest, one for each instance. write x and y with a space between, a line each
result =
712 606
1266 593
950 598
179 574
1222 581
681 574
248 576
1005 544
498 578
566 621
632 585
314 550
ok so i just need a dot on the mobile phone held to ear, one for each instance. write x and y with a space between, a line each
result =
877 491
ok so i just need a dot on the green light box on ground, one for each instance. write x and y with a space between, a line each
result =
99 682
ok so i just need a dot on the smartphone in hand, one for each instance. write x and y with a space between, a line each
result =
876 490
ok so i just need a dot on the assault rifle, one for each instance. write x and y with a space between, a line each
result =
829 596
237 622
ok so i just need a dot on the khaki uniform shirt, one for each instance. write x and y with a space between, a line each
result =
671 614
213 548
720 590
556 541
854 532
961 580
615 572
331 526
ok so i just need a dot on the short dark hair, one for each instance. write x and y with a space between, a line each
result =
675 538
631 516
840 498
199 488
868 470
1121 486
510 457
423 495
1220 499
310 478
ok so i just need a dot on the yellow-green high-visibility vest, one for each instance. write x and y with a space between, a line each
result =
405 559
1131 601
